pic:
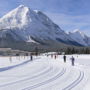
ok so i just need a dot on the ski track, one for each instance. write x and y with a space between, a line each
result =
49 67
47 81
76 82
35 76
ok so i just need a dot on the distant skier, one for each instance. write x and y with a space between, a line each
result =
64 57
72 60
31 57
55 56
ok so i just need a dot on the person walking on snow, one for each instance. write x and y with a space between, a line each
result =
72 60
64 57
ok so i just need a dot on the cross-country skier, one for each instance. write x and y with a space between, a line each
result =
64 57
55 56
31 57
72 60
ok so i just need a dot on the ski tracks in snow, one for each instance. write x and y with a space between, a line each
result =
47 81
76 82
35 76
54 74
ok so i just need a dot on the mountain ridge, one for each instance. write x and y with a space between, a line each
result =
24 24
80 37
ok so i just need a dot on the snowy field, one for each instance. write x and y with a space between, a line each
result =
45 73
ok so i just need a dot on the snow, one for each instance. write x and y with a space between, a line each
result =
80 37
27 23
22 23
45 73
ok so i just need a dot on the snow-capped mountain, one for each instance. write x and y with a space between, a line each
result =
24 24
80 37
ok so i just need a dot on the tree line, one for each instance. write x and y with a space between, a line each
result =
77 51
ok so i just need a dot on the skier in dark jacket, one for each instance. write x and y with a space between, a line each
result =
55 56
72 60
31 57
64 57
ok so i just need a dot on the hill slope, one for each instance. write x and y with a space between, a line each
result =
25 25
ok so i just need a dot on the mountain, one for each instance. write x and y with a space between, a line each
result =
25 25
80 37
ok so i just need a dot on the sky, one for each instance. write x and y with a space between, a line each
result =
68 14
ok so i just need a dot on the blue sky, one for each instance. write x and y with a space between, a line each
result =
68 14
